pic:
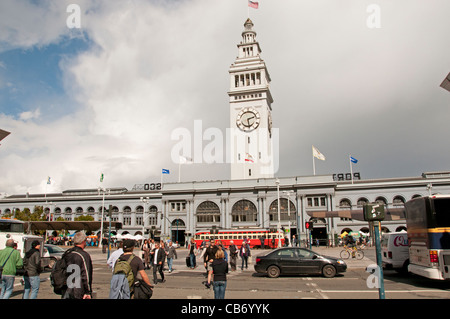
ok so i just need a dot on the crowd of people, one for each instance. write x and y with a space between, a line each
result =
151 254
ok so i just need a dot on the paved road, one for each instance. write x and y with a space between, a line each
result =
184 283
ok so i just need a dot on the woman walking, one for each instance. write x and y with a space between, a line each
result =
220 270
244 253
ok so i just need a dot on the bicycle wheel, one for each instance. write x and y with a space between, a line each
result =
359 254
345 254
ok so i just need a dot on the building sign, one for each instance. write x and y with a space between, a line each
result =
147 187
346 176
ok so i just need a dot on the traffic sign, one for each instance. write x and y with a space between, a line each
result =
374 212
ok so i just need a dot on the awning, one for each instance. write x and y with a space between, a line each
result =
357 214
69 225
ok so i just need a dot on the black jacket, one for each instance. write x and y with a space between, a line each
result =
161 255
79 282
32 263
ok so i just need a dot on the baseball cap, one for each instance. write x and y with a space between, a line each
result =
128 243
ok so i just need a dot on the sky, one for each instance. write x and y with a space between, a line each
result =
355 77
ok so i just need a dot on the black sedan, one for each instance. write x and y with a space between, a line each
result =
298 261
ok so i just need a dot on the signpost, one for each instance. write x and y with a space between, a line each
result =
375 213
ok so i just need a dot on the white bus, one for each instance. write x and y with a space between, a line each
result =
428 221
14 229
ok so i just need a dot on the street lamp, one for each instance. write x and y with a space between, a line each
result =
145 201
103 210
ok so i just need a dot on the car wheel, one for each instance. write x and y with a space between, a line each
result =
329 271
273 271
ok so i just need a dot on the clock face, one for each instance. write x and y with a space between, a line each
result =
248 119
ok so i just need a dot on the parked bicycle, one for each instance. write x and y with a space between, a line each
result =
352 252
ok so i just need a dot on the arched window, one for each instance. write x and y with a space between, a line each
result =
244 211
208 212
345 203
79 210
362 201
153 209
178 223
284 212
381 200
127 209
398 201
139 209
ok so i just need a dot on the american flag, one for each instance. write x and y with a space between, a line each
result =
253 4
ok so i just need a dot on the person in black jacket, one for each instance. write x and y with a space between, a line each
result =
79 270
210 255
32 267
159 256
220 270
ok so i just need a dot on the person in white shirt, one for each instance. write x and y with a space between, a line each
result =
159 256
114 256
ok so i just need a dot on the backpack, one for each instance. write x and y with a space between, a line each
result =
124 267
58 276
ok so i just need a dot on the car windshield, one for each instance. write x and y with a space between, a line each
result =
293 253
55 249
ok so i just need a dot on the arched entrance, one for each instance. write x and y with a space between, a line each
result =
319 232
178 230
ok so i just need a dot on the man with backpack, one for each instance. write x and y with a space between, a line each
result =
71 276
126 271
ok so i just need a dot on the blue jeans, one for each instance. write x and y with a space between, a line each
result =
31 283
169 263
244 261
7 286
219 289
192 257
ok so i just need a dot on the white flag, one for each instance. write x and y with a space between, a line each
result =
317 154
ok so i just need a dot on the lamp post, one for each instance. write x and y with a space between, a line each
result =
103 210
145 201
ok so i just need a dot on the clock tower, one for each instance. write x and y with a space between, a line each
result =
251 134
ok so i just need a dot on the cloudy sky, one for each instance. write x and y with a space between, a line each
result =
107 96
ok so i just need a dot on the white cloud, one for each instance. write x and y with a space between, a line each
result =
154 66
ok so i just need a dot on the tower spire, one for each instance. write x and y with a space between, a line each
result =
250 111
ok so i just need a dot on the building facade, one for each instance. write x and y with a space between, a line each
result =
179 210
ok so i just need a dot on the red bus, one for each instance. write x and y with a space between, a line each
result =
238 235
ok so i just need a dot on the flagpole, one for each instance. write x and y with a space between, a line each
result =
314 165
351 166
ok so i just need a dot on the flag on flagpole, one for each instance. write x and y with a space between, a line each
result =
352 160
101 178
249 158
317 154
253 4
165 171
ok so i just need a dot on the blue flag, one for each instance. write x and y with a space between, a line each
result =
353 160
165 171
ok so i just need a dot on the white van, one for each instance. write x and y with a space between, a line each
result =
395 251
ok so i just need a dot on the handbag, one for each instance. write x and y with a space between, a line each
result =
142 290
1 268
